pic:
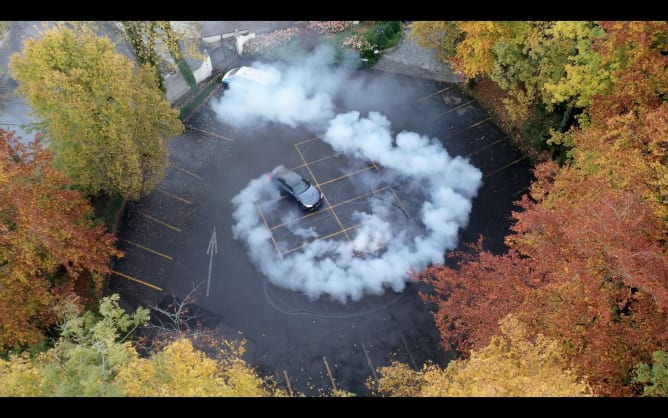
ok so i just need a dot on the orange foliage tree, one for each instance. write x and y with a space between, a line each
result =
585 267
476 294
606 290
639 52
49 247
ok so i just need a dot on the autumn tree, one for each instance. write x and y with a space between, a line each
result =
179 365
475 294
149 39
442 36
91 350
181 370
552 64
637 52
600 250
106 120
587 261
95 356
49 246
516 363
622 136
653 376
585 267
629 151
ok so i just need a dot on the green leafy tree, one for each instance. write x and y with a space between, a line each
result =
654 376
151 39
551 63
107 121
95 357
91 350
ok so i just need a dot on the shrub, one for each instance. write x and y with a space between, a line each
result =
330 26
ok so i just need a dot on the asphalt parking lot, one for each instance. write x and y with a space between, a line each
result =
307 345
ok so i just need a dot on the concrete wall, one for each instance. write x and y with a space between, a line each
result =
204 71
241 40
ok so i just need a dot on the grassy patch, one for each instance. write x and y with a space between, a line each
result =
106 209
187 73
383 35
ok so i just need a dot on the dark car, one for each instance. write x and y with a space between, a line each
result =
292 184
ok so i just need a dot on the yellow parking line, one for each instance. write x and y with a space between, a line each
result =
504 167
261 215
187 172
318 160
315 180
306 164
485 147
175 196
267 225
346 175
333 234
480 122
329 373
163 223
211 133
287 380
361 196
134 279
399 200
308 215
433 94
147 249
307 140
328 208
452 110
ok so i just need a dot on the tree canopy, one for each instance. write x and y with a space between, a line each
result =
95 356
49 246
515 363
587 262
106 119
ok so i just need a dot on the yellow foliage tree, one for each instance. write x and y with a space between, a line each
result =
181 370
19 377
442 36
107 120
513 364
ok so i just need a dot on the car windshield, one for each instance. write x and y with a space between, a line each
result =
300 187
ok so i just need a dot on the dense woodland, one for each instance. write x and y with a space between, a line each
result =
576 306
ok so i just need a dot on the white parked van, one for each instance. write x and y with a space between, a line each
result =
249 73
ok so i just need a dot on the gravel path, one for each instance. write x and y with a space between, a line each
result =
410 59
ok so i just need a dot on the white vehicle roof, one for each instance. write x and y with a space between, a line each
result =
249 73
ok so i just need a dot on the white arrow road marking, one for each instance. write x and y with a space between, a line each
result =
213 249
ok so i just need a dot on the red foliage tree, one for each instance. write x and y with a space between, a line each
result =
48 244
476 294
606 294
637 52
584 267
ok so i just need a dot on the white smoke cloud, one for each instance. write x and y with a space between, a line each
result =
381 252
298 94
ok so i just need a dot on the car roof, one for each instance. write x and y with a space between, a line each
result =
287 175
250 73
